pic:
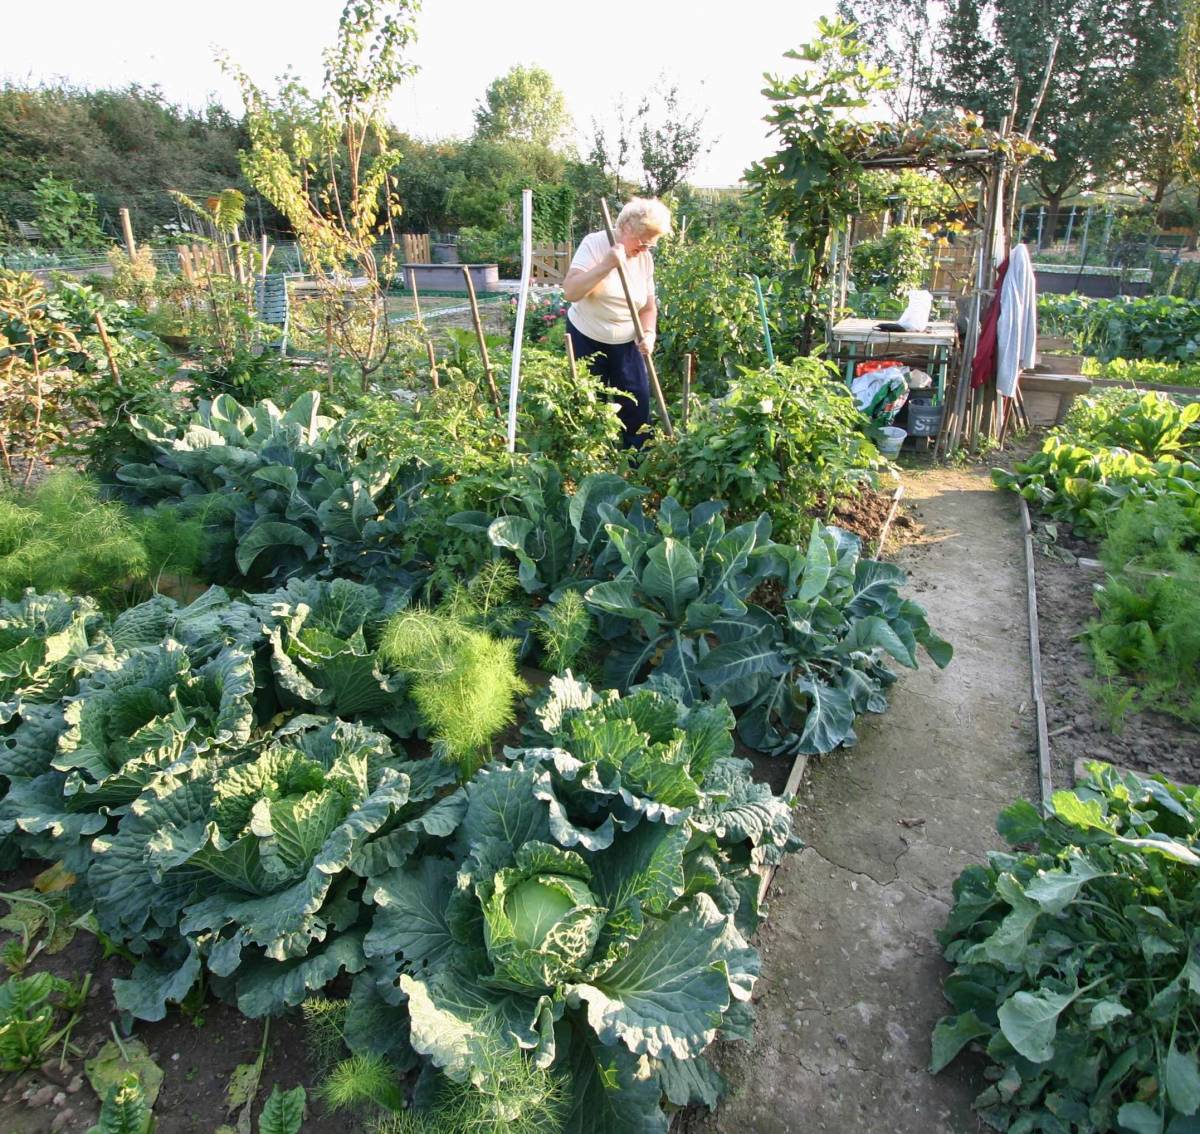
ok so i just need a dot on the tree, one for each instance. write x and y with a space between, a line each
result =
669 143
1105 110
610 152
902 36
523 105
812 181
1111 57
1188 83
326 163
123 147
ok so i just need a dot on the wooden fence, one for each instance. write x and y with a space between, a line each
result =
416 247
953 267
550 263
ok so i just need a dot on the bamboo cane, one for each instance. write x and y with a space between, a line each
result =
433 374
412 283
571 360
638 333
688 361
98 319
483 350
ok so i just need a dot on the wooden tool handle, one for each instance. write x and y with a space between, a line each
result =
639 334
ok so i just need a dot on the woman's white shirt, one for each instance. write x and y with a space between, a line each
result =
603 314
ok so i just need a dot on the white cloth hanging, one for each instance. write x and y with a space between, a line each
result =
1016 329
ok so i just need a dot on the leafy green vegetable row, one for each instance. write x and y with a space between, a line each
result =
677 593
588 897
1077 962
1115 448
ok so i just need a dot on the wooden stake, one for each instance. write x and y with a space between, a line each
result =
638 333
185 263
127 229
571 360
98 319
412 283
329 351
236 256
483 351
433 374
688 362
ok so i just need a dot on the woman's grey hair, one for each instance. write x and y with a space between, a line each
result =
645 216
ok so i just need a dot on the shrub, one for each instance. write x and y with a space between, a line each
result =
897 261
485 246
789 441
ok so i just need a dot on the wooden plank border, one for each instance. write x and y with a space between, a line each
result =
1035 659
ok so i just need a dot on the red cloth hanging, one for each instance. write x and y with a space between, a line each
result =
983 365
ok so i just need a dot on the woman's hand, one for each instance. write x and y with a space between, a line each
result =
616 255
646 345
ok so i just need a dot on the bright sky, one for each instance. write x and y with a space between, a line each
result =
716 53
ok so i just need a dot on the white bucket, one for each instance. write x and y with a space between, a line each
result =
893 438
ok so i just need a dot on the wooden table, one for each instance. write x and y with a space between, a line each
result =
857 339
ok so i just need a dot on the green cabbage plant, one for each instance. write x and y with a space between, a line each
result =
796 640
591 908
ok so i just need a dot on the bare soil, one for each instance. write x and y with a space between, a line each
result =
1079 726
197 1054
865 515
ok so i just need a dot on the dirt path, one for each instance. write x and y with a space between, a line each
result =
851 983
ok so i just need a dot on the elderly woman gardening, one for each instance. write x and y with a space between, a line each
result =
598 319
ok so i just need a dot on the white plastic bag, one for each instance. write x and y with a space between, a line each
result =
916 314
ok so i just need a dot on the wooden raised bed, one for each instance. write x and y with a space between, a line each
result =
449 277
1048 396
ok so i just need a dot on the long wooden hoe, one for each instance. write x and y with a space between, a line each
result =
637 327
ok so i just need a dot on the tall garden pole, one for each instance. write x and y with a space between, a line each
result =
766 326
1070 226
1041 222
638 333
1021 227
522 303
1087 223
